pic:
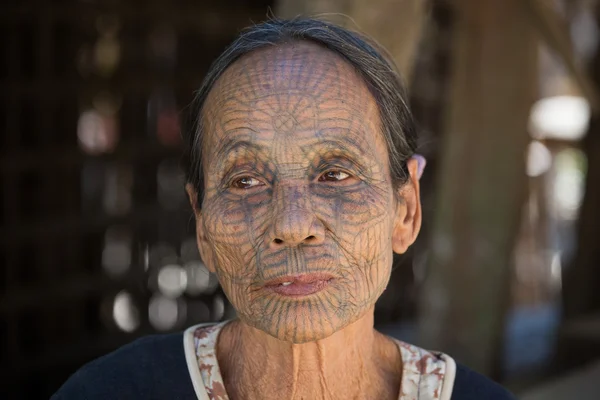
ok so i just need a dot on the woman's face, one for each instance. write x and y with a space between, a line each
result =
299 218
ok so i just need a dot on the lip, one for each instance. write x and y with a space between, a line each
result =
299 285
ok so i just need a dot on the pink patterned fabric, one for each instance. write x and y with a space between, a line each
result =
422 376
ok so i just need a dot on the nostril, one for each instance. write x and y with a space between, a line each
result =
310 238
278 241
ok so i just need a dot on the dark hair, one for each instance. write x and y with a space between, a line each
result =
380 75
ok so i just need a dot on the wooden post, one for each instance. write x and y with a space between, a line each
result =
395 24
581 280
481 182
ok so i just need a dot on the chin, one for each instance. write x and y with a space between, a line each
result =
297 335
299 324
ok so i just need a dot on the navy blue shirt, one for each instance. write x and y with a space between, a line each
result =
154 367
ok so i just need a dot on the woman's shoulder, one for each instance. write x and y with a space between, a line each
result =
470 385
149 367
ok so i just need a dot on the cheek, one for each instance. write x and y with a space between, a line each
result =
361 221
234 228
364 234
225 224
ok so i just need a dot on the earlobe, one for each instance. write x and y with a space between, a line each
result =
203 246
407 223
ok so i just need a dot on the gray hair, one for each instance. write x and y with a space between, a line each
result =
370 61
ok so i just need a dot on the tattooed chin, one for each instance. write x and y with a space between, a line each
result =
305 311
309 306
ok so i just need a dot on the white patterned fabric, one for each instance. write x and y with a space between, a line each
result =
425 375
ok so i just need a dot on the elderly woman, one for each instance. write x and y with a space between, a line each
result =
303 181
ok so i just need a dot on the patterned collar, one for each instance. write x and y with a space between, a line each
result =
425 375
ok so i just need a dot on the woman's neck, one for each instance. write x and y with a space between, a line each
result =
355 362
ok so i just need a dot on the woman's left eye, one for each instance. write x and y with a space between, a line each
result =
334 176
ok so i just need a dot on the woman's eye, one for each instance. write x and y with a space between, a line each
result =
246 182
334 176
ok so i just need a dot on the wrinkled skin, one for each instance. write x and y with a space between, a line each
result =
297 181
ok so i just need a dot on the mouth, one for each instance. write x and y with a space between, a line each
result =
299 285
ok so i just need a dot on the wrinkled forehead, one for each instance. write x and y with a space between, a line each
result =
300 89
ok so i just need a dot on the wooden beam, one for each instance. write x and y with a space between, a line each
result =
554 31
295 8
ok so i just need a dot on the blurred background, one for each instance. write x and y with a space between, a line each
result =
97 241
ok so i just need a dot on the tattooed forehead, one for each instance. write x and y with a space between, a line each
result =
297 67
290 101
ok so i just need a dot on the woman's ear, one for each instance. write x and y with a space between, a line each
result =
203 246
407 223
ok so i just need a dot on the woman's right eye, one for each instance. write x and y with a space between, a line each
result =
246 182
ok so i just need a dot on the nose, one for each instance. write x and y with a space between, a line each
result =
294 222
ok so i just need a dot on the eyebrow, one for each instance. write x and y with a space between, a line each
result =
231 145
337 144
